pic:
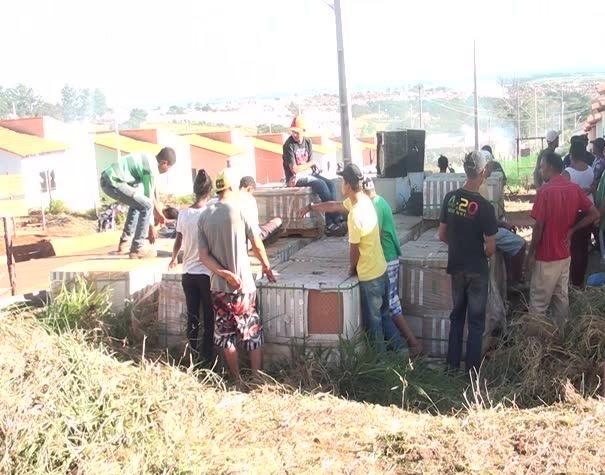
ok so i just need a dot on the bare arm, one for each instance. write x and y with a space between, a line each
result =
443 232
259 251
589 218
536 236
178 242
490 245
213 266
353 258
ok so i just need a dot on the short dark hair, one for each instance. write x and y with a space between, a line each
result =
167 154
202 185
352 176
487 148
170 212
577 150
442 162
247 181
554 161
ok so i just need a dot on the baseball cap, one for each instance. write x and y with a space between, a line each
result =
598 142
367 183
552 135
487 155
351 174
298 124
475 161
225 179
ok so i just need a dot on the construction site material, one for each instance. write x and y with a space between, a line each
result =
68 246
337 248
128 280
172 309
438 185
285 202
317 302
426 293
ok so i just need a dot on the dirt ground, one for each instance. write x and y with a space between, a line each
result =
30 241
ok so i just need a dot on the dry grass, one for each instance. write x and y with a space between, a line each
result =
67 406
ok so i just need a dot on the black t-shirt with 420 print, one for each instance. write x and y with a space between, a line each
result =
469 217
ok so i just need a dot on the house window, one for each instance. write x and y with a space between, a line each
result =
47 181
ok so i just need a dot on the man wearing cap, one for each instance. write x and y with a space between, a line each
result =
468 226
552 142
300 170
223 234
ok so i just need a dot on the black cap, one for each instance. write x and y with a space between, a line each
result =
599 142
351 174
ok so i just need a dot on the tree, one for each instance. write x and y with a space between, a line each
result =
24 101
70 103
5 106
270 128
99 103
85 106
176 110
293 108
137 117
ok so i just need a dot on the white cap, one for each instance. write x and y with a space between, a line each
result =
552 135
488 156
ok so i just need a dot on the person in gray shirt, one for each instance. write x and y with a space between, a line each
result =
223 235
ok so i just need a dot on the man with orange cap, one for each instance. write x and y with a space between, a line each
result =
301 170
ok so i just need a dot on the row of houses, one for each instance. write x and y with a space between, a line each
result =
594 123
64 161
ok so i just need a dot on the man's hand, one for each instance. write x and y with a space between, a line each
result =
232 279
269 273
172 264
152 235
304 211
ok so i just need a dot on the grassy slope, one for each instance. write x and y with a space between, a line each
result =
67 406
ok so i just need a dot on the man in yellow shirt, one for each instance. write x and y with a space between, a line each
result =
368 262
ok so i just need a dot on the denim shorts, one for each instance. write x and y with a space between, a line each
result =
508 242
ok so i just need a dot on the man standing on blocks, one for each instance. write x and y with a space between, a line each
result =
120 180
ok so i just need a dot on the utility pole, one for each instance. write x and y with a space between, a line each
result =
562 117
535 112
345 108
475 96
518 125
420 105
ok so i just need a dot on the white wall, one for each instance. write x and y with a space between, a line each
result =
178 180
10 164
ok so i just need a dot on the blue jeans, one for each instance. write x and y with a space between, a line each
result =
140 209
375 313
324 188
469 292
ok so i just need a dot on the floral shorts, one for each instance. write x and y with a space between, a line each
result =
236 320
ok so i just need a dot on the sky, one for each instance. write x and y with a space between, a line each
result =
178 51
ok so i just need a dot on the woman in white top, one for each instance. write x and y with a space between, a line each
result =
196 277
582 175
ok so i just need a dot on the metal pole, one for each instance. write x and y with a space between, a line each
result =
420 106
345 109
535 112
562 117
476 102
10 260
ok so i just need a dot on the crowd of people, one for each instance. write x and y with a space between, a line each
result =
215 235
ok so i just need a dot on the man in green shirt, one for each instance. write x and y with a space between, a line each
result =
119 181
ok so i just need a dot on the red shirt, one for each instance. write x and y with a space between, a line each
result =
556 206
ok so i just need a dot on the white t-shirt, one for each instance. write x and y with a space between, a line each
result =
250 210
187 225
583 179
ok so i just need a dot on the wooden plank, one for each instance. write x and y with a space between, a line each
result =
10 260
13 208
11 185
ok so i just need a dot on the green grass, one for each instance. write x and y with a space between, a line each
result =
521 175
